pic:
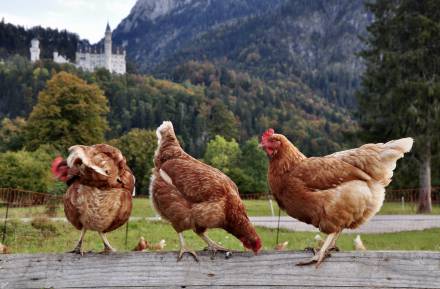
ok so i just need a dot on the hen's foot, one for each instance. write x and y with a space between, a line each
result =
318 258
334 248
184 250
107 250
77 250
311 250
214 248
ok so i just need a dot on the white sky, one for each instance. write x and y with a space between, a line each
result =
87 18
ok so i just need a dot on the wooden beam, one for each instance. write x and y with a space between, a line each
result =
242 270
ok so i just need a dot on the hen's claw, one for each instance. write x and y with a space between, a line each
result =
189 251
312 260
311 250
77 250
318 258
107 250
214 248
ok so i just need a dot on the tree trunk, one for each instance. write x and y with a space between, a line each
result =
425 184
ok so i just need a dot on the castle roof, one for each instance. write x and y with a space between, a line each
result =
107 29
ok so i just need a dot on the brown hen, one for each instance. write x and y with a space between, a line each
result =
194 196
335 192
101 185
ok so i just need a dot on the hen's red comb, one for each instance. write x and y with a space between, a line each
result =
268 133
55 164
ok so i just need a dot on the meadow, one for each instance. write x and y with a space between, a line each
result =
46 236
41 234
142 208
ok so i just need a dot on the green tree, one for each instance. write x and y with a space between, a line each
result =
11 134
69 111
253 162
138 147
222 122
222 154
400 91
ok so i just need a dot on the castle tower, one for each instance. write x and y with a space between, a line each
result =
108 48
35 50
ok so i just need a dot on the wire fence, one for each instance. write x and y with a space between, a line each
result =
16 203
22 198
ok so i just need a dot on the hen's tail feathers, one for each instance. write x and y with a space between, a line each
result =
403 145
394 150
165 126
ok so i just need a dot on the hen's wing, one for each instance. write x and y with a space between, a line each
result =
123 213
196 181
368 162
70 210
323 173
376 160
170 203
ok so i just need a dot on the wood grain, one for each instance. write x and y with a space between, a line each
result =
242 270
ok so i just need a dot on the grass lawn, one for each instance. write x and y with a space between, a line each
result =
142 208
50 236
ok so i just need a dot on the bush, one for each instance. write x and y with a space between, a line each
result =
222 154
138 147
26 170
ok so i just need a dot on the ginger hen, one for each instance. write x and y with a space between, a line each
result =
99 196
334 192
194 196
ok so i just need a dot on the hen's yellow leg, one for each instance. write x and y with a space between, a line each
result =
78 247
184 249
107 247
323 252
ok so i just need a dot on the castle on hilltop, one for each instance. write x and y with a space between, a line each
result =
90 58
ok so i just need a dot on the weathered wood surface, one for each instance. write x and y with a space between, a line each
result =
242 270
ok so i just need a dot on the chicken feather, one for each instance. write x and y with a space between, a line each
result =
192 195
99 196
335 192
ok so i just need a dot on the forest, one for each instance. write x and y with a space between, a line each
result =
227 87
215 112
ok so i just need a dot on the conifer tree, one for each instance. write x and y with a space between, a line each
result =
400 95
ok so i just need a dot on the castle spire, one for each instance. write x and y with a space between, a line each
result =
107 29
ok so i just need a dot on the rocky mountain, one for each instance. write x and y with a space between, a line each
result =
155 29
314 42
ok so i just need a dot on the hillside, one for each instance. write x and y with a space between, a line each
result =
314 42
155 29
206 101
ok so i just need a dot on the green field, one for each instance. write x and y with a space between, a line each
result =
142 208
50 236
